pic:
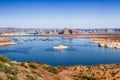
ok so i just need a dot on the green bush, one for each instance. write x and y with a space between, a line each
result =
51 69
11 77
2 66
24 64
8 69
30 77
30 62
32 65
11 70
4 59
77 76
114 73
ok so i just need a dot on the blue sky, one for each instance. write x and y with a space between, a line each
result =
60 13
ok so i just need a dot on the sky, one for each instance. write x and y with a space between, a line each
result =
60 13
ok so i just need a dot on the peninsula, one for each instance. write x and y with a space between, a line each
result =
5 42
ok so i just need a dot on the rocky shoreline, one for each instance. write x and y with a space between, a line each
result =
103 40
108 43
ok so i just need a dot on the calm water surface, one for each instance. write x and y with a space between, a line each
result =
40 49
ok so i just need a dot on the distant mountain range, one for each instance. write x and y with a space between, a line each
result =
60 31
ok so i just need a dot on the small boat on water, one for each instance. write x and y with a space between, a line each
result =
60 47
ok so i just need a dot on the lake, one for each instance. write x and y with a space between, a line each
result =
40 49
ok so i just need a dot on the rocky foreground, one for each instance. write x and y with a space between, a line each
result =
10 70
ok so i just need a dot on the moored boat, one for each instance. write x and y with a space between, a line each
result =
60 47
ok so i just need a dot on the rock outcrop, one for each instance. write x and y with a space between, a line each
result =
68 31
107 43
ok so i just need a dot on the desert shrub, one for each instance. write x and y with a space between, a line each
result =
24 65
8 69
77 76
98 73
114 73
30 77
64 67
2 66
4 59
12 77
30 62
51 69
61 68
11 70
104 78
88 78
32 65
1 78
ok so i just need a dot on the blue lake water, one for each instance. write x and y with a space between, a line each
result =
40 49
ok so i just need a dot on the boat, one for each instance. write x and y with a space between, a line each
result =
60 47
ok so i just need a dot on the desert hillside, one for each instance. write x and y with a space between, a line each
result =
11 70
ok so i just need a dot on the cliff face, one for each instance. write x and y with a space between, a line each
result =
10 70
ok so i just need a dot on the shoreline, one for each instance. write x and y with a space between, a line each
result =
103 40
106 43
6 43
